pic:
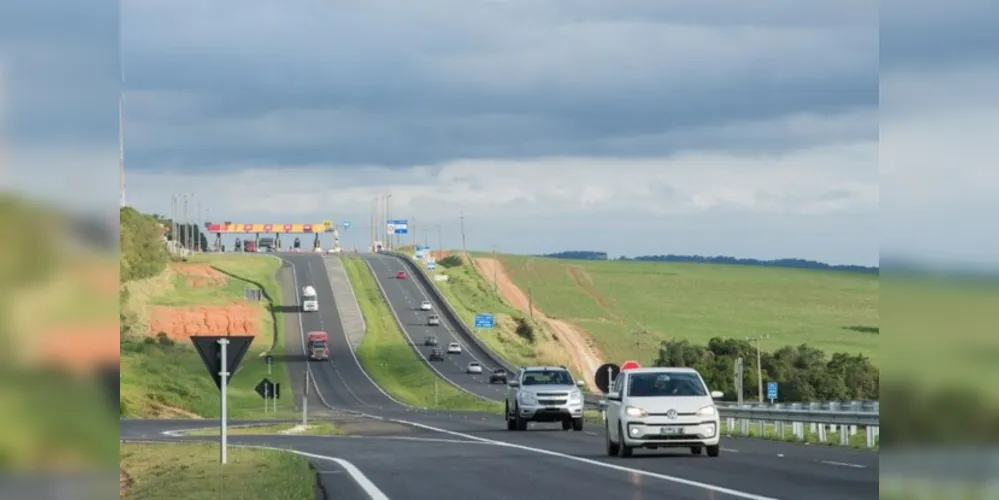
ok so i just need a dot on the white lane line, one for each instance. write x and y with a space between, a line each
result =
621 468
842 464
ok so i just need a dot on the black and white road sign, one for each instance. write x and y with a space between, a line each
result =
267 389
211 353
605 376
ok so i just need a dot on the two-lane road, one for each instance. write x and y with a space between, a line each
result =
404 297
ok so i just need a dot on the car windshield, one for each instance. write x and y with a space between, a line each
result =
651 385
500 372
319 344
473 365
547 377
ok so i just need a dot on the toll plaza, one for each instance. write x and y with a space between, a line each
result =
271 229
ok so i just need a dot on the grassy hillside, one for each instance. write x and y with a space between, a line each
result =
470 294
161 373
390 360
629 307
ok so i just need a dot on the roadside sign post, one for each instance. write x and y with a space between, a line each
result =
266 396
483 320
222 355
305 400
224 376
771 391
269 359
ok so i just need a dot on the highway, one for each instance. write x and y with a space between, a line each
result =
408 453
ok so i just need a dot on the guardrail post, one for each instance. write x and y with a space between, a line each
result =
813 428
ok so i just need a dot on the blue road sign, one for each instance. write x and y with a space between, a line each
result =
398 226
345 224
431 265
771 390
484 321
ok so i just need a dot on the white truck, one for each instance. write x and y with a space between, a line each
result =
310 302
544 394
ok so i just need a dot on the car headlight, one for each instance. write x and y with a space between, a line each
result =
707 411
575 397
528 398
634 411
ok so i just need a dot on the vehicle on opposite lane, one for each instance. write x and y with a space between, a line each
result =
436 355
665 407
544 394
426 306
474 368
454 348
430 340
433 320
400 275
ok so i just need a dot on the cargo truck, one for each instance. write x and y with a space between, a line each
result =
318 346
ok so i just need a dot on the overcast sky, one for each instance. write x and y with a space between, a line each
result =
634 127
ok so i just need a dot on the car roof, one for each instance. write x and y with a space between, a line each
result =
473 362
544 368
663 369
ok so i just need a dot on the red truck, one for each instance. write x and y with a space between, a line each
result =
318 345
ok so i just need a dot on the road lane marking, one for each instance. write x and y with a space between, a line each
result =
842 464
621 468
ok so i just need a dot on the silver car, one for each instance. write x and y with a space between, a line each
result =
474 368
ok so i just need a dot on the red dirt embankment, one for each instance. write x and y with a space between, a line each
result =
179 323
576 343
199 275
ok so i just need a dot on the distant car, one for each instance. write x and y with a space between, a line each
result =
434 320
436 355
400 275
430 340
498 376
454 348
474 368
426 306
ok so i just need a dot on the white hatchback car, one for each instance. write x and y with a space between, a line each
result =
426 306
454 348
474 367
661 408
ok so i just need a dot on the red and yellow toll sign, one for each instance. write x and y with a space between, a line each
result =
232 227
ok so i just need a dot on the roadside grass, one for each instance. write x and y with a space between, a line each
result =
161 378
630 307
771 432
469 293
191 471
391 361
316 428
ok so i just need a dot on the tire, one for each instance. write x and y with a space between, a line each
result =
623 450
511 424
519 422
612 448
695 450
577 424
714 451
566 425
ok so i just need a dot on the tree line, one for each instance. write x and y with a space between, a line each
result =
143 255
803 373
720 259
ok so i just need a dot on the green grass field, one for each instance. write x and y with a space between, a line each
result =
391 361
629 307
470 294
164 379
192 471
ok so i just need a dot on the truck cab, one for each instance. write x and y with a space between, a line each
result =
318 346
310 301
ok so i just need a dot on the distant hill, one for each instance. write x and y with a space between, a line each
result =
721 259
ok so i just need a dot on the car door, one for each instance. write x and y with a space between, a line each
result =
614 407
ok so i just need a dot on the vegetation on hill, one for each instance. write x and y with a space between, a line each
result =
803 373
720 259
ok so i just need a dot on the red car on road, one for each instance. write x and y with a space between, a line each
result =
401 275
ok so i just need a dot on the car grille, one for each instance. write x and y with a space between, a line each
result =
552 399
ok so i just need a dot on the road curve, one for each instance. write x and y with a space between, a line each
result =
404 297
472 454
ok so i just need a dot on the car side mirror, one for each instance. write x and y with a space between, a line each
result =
614 396
514 384
717 394
580 384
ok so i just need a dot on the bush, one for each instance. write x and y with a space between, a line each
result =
525 329
143 252
451 261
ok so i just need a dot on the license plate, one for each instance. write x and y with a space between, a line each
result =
552 408
670 431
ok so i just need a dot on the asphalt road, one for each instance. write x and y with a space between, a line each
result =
421 454
404 297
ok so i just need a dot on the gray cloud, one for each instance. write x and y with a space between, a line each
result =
398 83
936 36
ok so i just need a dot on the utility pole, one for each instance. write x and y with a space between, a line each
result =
464 249
495 268
759 364
183 218
414 234
388 216
440 243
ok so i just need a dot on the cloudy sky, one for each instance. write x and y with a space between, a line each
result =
634 127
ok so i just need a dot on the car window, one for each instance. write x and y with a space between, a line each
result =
643 385
618 384
547 377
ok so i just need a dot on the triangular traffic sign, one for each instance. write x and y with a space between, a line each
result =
211 353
